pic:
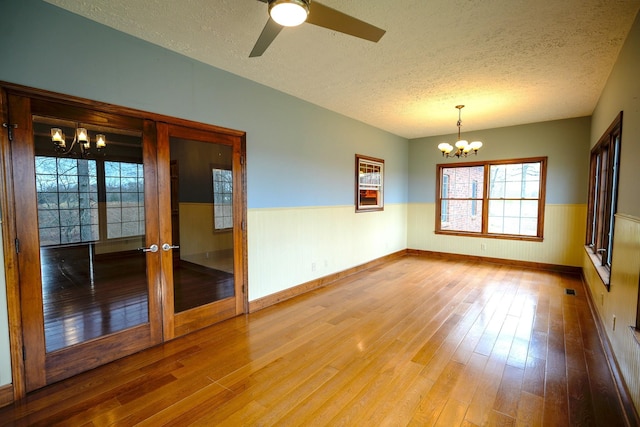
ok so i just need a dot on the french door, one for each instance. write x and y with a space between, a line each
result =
202 227
129 232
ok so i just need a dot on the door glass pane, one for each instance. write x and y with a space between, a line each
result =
202 222
91 226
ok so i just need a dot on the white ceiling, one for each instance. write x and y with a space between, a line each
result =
509 61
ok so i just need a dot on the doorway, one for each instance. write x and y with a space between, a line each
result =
130 231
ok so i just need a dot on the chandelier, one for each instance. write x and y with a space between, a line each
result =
462 146
80 137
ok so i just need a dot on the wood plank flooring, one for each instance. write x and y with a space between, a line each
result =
86 298
414 342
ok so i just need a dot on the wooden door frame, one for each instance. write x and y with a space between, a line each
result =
7 202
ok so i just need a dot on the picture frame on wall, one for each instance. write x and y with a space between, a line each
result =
369 183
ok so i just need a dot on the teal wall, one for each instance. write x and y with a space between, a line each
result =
298 154
564 142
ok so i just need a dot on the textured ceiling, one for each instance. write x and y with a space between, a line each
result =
509 61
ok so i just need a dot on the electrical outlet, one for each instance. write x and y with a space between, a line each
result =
483 246
313 266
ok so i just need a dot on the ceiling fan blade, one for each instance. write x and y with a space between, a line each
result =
324 16
269 33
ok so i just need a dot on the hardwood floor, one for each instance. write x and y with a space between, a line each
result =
85 298
414 342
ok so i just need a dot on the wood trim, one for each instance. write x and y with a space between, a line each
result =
200 317
518 263
6 395
106 349
630 412
286 294
164 208
150 160
240 246
10 257
41 94
28 258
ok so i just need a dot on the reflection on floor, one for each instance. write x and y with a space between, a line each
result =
87 296
196 285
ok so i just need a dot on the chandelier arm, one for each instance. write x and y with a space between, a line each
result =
73 143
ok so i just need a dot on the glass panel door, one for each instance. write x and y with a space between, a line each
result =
84 212
205 229
203 263
91 224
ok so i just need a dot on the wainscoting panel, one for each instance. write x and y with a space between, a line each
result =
291 246
622 299
564 227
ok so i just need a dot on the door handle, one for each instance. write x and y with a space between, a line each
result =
152 248
166 247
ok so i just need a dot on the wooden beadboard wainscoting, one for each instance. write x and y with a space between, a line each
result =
620 302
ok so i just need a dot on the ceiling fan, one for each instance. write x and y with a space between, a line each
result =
289 13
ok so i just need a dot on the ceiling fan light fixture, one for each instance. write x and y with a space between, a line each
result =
289 13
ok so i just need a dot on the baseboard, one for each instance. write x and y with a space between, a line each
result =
516 263
286 294
6 395
631 415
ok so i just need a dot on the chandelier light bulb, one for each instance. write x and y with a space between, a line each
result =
82 134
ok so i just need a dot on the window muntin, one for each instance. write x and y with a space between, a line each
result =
499 198
369 183
603 189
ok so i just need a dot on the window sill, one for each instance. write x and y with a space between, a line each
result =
603 272
490 236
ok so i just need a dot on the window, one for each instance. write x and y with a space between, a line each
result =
124 190
69 191
67 200
222 199
369 184
500 198
603 189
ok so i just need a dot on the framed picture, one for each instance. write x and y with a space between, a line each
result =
369 184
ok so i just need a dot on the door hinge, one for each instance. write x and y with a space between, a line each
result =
243 225
242 160
10 127
17 243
